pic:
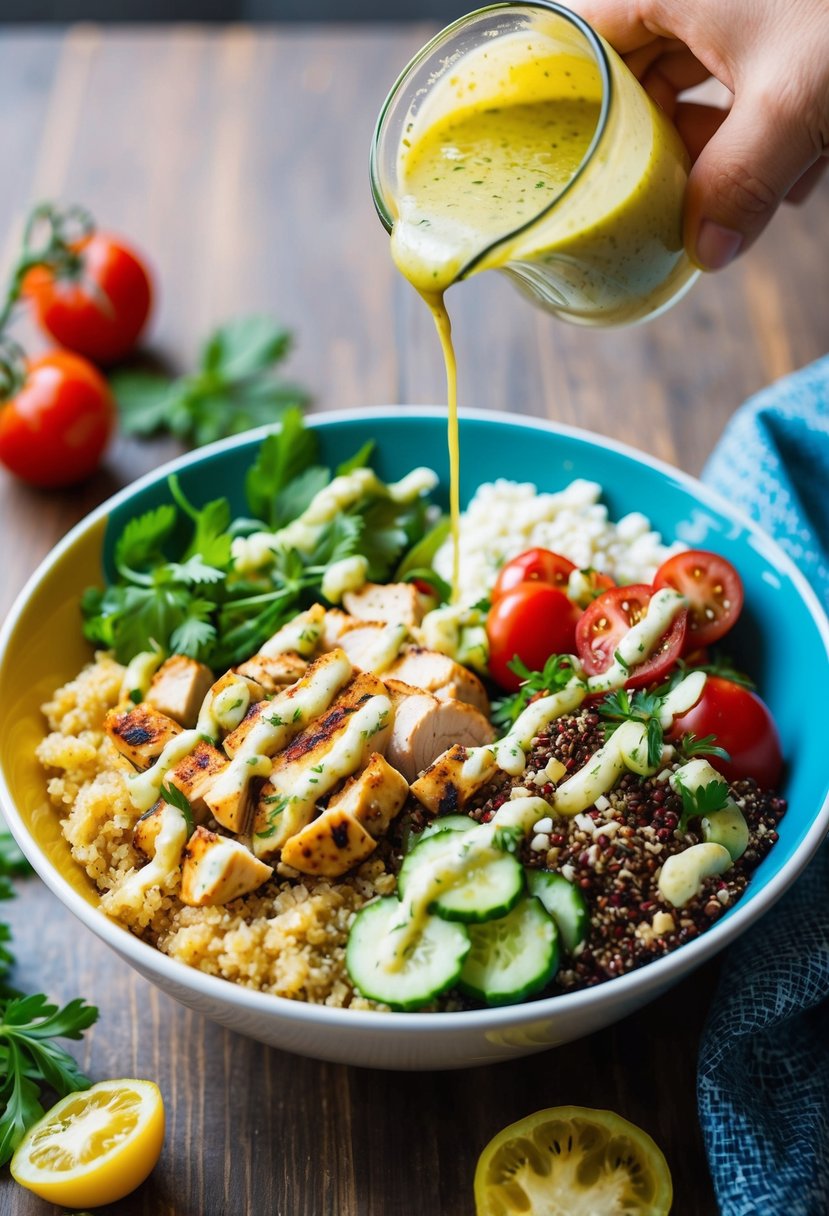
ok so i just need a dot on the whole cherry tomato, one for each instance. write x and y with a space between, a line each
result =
531 621
604 623
55 427
713 589
534 566
741 724
98 306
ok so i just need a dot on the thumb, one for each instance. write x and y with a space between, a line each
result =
742 174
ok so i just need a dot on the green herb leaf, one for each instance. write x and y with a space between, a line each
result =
556 673
244 346
140 544
144 400
282 457
32 1060
235 387
440 587
690 746
177 798
422 554
704 800
360 460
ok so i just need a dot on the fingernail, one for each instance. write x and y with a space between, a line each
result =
717 245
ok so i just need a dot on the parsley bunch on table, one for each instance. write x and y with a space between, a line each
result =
236 386
31 1062
192 600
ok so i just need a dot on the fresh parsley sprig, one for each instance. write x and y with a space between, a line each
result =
689 747
556 673
235 386
30 1060
645 707
188 597
704 800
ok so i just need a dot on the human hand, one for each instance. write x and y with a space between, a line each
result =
772 144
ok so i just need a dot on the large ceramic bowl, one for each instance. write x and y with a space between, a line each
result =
783 639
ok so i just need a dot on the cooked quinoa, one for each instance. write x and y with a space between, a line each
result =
288 938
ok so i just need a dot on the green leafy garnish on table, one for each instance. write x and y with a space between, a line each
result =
235 386
30 1060
193 600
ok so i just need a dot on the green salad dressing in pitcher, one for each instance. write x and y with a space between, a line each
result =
518 141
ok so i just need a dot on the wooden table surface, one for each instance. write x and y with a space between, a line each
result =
236 158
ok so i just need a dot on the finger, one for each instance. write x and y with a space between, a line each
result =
671 75
617 21
807 181
697 124
742 174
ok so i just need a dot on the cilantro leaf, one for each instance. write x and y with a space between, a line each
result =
690 746
235 387
360 460
556 673
177 798
619 706
140 544
282 457
704 800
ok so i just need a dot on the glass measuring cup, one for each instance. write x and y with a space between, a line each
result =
607 249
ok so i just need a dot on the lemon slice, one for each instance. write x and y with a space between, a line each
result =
93 1147
572 1161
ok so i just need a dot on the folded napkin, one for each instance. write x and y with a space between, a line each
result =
763 1080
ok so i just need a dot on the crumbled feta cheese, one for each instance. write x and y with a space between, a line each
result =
544 825
540 843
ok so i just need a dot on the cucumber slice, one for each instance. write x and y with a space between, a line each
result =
432 966
513 957
447 823
565 903
489 884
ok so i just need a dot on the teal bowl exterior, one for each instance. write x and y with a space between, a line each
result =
782 639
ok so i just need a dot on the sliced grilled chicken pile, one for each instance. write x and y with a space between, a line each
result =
303 754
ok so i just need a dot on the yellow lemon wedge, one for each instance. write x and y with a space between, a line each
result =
93 1147
572 1161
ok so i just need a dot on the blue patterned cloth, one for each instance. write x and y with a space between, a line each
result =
763 1080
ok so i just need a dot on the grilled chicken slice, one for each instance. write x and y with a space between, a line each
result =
178 688
374 797
330 846
454 778
274 673
425 727
227 702
329 750
372 645
270 725
299 635
335 624
440 675
145 832
140 734
196 773
216 869
393 603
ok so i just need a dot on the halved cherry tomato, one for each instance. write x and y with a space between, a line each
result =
101 308
55 429
741 724
714 591
534 566
602 626
532 621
